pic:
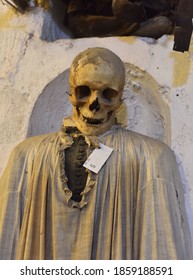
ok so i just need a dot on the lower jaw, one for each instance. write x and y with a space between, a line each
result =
94 129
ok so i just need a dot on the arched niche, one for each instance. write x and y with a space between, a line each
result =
143 109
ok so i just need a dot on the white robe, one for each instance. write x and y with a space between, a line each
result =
133 209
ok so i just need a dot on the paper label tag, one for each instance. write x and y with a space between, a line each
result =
97 158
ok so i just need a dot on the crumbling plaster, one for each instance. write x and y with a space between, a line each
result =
31 57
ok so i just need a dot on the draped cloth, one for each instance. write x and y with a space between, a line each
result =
132 209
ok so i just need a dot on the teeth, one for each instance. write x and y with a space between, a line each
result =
91 122
94 122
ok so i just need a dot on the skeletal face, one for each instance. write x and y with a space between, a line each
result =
97 79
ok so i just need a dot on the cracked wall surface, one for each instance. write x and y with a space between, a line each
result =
32 67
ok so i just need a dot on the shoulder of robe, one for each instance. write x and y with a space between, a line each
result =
21 158
153 146
33 144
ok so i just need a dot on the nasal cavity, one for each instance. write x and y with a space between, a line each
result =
94 106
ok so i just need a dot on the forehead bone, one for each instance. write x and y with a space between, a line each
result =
98 63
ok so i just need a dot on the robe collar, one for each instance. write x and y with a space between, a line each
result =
69 131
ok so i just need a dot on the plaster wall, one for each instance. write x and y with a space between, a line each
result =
34 52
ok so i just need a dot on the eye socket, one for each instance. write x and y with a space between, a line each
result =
82 92
109 94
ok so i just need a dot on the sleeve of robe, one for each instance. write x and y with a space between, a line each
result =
161 224
12 198
25 175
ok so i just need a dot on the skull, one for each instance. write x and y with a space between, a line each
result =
97 78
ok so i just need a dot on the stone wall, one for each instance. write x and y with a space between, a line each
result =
34 59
